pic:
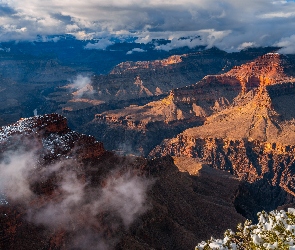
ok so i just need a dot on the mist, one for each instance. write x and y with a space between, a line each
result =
80 86
15 170
80 82
69 201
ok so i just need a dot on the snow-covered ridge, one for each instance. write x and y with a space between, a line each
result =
32 124
52 136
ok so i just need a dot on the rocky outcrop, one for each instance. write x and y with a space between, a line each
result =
240 78
264 71
134 137
151 65
50 131
268 67
140 79
144 79
260 114
137 129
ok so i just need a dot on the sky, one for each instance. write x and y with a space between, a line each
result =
231 25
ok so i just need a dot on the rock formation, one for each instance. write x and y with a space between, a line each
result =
151 65
190 106
143 81
249 138
243 129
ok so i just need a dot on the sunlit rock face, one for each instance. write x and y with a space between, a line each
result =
253 137
140 82
151 65
244 92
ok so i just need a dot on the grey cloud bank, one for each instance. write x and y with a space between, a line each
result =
230 25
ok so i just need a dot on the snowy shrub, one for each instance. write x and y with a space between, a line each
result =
275 230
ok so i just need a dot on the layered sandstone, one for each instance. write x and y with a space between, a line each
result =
259 111
145 79
151 65
240 93
139 128
251 138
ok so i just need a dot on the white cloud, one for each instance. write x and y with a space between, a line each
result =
176 43
72 28
278 15
125 195
246 45
80 82
15 170
101 44
261 22
207 38
13 28
135 50
81 85
287 44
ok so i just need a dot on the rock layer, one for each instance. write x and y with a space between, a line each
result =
249 138
240 95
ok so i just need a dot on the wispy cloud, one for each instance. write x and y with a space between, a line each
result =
135 50
81 85
102 44
72 202
287 44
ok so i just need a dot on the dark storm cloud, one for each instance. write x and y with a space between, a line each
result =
62 18
228 24
5 10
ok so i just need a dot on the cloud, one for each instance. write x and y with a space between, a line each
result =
80 82
135 50
15 170
101 44
278 15
68 201
206 38
126 196
81 85
246 45
287 44
261 23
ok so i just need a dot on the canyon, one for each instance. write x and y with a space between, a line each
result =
155 154
150 115
253 137
241 122
213 97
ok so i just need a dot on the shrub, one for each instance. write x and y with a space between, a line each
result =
275 230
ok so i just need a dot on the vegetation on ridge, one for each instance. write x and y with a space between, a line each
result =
275 230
